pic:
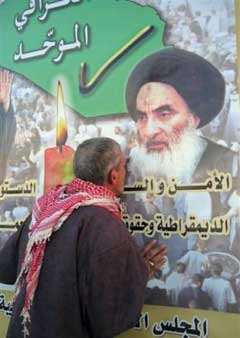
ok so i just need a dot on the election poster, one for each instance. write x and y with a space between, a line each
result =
161 77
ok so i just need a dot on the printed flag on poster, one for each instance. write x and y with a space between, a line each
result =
161 78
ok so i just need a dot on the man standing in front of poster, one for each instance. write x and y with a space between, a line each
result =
77 271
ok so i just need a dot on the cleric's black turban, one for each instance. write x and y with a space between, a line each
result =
200 84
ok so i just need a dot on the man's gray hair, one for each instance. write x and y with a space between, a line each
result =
95 158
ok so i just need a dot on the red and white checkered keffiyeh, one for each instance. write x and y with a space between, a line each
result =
48 215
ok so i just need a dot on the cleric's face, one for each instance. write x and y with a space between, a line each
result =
162 116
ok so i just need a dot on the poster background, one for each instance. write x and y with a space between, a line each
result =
35 113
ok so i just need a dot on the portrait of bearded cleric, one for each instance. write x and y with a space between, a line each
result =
170 95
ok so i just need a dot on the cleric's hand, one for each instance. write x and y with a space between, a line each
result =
154 256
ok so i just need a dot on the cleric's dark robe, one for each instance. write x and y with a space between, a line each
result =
92 279
7 136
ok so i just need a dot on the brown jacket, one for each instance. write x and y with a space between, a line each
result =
92 280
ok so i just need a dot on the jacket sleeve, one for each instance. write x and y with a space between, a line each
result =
116 283
9 256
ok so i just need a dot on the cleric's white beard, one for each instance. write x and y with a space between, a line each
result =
178 162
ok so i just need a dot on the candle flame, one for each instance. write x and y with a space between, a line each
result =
61 132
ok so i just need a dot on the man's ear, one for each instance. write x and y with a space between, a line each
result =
112 177
196 121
